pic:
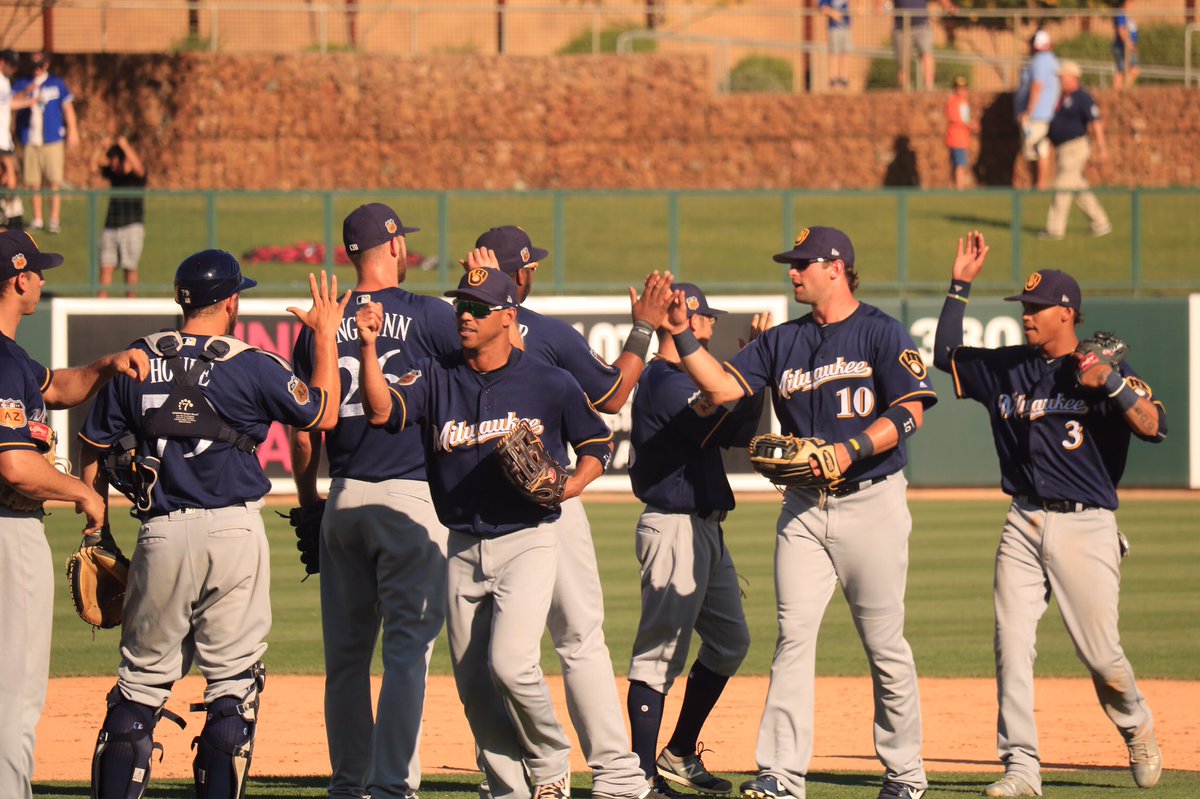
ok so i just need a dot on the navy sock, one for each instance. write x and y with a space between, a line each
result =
704 688
645 707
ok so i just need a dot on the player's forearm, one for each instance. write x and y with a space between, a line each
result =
377 401
949 335
630 366
73 386
718 386
31 474
586 470
92 475
883 434
326 378
306 462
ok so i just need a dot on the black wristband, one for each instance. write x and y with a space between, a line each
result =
900 416
959 290
1112 383
686 343
1124 397
860 447
638 340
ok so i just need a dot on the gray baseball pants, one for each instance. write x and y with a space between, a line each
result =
1076 558
860 542
498 600
688 583
27 596
383 561
576 623
199 590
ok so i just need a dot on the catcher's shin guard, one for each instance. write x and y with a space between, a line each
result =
225 745
125 747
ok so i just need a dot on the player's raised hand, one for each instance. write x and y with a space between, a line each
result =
656 299
677 314
480 257
131 363
972 252
761 323
369 319
325 316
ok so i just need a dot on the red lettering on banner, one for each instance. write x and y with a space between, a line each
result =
257 334
276 449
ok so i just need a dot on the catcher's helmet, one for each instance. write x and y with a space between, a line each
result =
209 276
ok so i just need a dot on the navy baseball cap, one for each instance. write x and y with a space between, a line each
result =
819 243
20 253
371 225
695 301
492 287
1050 287
513 248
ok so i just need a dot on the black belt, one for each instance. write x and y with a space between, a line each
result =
846 489
1055 505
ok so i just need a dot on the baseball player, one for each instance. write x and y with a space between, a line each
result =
501 546
27 478
850 374
383 551
1062 435
688 577
577 608
182 447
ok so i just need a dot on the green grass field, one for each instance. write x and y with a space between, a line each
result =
724 239
949 626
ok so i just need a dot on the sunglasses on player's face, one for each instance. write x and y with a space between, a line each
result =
478 310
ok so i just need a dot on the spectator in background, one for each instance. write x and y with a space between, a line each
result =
921 38
1125 40
45 127
1034 104
1077 113
837 13
124 234
959 128
11 209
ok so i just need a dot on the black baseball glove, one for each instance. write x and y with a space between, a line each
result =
1101 347
307 521
526 464
787 461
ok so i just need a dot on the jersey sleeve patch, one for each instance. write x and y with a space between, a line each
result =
299 390
914 363
1140 386
12 414
408 378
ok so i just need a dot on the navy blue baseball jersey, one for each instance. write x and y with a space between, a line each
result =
677 439
22 409
249 391
415 327
556 342
463 414
832 381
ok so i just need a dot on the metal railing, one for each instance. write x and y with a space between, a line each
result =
602 241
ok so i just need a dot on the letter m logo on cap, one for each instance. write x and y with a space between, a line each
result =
1033 281
800 238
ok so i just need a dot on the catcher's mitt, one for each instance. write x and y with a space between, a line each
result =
1101 347
97 573
786 461
530 469
307 521
47 442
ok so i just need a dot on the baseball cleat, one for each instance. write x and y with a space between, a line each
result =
900 790
689 771
1145 759
764 786
559 789
1009 785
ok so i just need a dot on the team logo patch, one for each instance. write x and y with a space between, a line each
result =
693 304
12 414
19 262
524 255
1033 281
408 378
476 277
1140 386
914 363
800 238
390 226
299 390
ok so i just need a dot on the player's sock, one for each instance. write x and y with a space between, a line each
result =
704 688
645 707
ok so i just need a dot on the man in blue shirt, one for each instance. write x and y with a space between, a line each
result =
44 129
1034 104
1076 115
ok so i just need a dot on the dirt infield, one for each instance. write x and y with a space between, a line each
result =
959 726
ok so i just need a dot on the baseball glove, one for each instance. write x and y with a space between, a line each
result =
1101 347
526 464
307 521
43 436
786 461
97 573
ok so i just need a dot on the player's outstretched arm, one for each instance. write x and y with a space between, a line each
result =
968 263
649 311
71 387
324 319
306 463
30 473
706 371
377 401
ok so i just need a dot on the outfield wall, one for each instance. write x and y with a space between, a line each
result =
953 449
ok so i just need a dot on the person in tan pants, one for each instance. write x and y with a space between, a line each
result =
1076 115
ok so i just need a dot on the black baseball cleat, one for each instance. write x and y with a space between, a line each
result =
899 790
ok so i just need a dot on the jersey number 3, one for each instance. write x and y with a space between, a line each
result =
1074 435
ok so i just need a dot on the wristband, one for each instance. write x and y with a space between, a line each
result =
1112 383
1124 397
959 290
686 343
900 416
638 341
860 447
